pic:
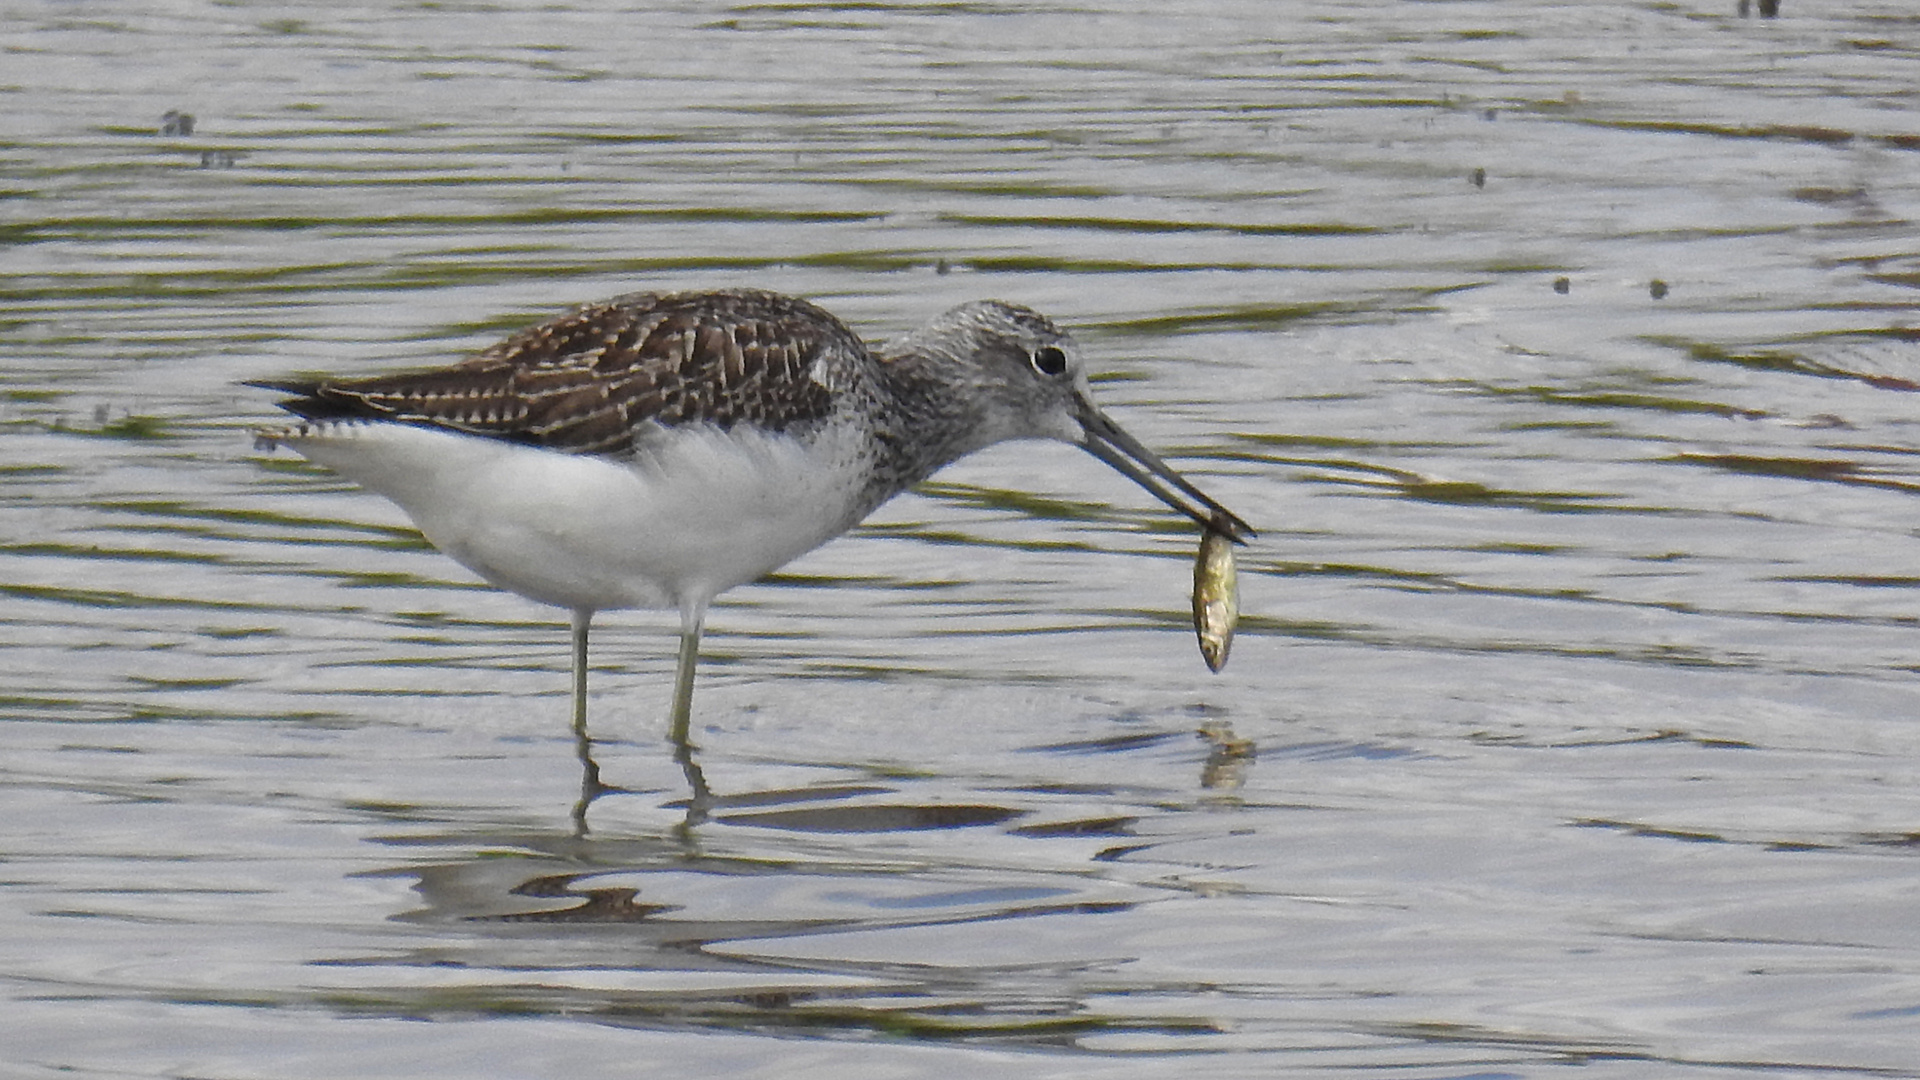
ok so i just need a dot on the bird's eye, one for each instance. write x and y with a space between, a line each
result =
1049 360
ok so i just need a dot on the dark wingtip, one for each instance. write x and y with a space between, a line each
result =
305 387
310 399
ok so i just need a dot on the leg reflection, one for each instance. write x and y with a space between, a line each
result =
702 797
590 786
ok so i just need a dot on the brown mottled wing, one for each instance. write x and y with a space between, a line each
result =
584 381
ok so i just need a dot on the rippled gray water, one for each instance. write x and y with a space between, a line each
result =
1565 356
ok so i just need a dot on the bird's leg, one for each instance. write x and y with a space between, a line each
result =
581 619
590 786
692 618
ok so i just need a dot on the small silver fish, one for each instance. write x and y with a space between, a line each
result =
1216 597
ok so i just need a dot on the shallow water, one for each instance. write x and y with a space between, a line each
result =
1571 722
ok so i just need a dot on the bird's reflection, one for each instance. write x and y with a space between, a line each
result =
1228 758
601 878
699 802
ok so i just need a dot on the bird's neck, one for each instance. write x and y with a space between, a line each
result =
929 418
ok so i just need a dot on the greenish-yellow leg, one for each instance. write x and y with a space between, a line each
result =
580 621
590 786
692 619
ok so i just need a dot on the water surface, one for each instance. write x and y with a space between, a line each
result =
1564 356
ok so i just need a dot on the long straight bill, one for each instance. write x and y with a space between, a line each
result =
1108 442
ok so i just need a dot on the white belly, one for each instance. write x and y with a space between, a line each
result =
708 510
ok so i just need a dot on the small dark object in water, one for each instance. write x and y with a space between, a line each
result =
175 122
216 159
1769 8
1479 178
1657 289
1562 285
